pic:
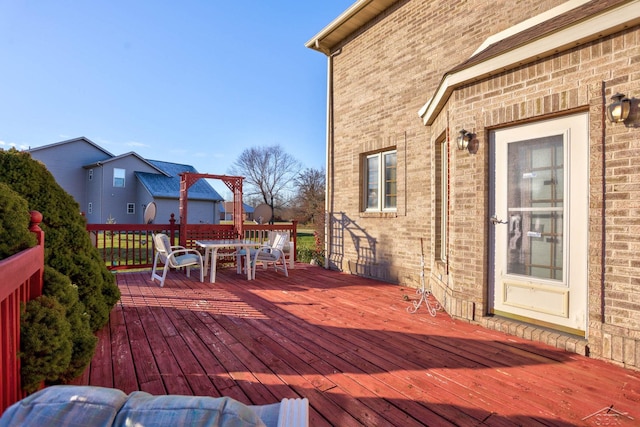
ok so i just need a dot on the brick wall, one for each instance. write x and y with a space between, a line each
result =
384 74
382 77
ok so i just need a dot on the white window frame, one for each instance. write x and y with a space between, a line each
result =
90 208
117 172
444 198
131 208
378 159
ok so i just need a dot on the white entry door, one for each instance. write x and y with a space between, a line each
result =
540 222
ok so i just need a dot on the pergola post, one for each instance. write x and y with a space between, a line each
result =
234 183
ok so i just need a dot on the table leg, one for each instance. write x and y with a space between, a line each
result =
214 255
206 260
248 262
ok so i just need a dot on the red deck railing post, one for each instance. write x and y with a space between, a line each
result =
22 275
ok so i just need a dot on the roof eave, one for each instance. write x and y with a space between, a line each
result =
358 14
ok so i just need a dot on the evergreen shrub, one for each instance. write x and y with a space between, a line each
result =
45 341
14 223
57 340
68 247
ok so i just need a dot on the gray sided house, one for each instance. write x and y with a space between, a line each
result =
65 160
117 189
226 212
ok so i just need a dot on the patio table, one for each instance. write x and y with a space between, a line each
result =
211 248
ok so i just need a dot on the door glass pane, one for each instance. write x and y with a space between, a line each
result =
535 203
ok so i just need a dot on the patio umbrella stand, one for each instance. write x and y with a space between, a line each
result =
424 293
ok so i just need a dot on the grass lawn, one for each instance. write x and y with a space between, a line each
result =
305 238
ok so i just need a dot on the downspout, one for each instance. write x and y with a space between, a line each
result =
100 221
328 196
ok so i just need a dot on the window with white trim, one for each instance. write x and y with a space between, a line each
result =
131 208
90 208
380 181
118 177
90 174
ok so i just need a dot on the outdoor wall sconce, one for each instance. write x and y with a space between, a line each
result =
618 110
468 141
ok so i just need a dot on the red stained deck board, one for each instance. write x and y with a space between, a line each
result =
544 405
335 358
348 344
146 369
276 353
124 375
499 396
343 350
101 368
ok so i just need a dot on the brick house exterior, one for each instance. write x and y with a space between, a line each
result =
405 77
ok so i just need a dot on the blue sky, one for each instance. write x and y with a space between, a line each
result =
193 82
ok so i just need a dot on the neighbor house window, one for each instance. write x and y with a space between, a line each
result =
442 197
380 181
90 174
90 208
118 177
131 208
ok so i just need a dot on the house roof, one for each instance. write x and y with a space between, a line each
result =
122 156
69 141
586 22
348 22
245 207
167 184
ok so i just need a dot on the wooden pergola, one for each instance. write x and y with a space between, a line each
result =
187 179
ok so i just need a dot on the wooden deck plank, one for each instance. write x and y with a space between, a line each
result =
124 375
348 344
146 369
481 358
360 357
101 368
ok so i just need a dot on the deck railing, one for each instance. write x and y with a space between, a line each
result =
130 246
21 282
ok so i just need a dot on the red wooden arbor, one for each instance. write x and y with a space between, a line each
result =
187 179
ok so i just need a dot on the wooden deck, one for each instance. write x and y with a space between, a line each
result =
348 345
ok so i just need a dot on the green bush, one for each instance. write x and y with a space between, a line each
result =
14 223
83 341
45 339
68 248
57 340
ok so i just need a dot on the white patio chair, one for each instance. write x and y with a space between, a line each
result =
174 257
287 249
271 254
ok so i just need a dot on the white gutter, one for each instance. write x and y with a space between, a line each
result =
329 139
587 30
328 184
314 42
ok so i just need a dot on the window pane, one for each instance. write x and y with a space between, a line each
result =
390 180
372 182
118 177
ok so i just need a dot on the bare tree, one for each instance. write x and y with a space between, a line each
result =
310 195
269 173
